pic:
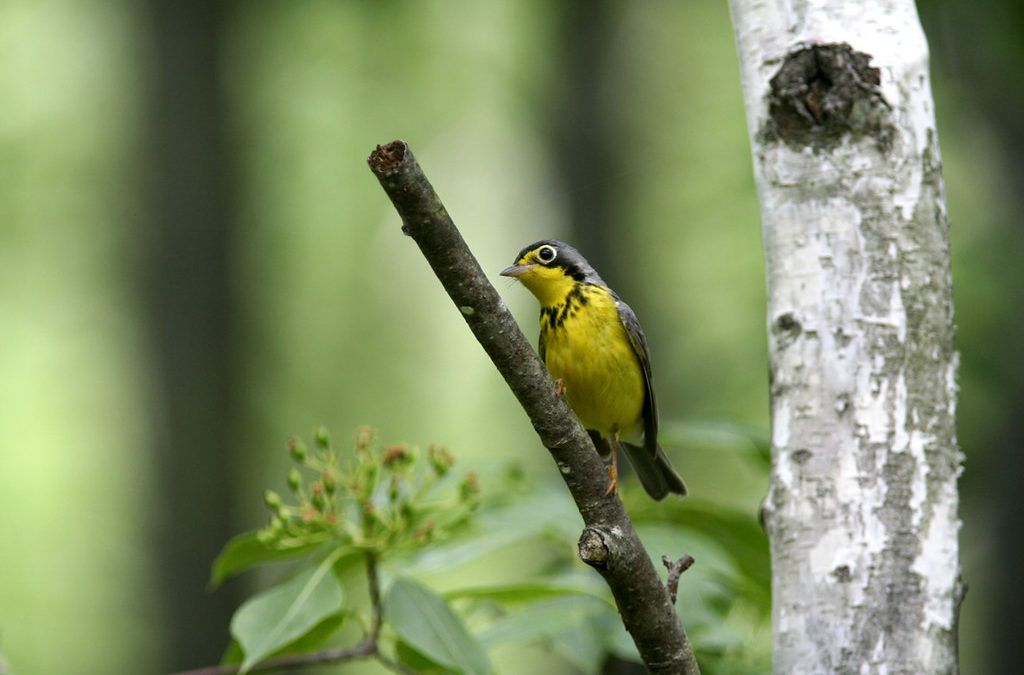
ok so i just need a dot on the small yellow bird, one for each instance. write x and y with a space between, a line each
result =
592 344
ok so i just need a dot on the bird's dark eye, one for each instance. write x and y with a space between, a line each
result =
546 254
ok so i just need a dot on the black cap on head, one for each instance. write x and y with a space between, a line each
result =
565 256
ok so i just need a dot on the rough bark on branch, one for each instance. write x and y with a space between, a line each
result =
862 509
643 602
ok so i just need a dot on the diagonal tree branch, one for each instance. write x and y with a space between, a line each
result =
609 543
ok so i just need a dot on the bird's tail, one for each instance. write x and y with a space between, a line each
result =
655 472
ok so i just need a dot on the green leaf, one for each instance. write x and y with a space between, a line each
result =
584 644
581 629
530 591
543 620
736 533
232 655
248 550
709 589
285 613
418 662
529 517
317 637
425 622
614 638
746 541
716 434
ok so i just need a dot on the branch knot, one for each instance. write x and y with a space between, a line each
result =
593 549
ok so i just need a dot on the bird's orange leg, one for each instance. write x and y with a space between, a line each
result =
559 387
613 468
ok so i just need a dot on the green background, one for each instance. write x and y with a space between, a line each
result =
195 263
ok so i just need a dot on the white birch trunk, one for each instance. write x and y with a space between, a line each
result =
862 508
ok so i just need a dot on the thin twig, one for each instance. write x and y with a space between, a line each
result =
376 615
675 569
643 602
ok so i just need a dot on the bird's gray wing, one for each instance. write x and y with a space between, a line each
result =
643 354
652 465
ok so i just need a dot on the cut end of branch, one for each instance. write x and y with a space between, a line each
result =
592 549
386 160
824 93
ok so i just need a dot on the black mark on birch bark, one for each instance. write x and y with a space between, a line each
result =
786 329
824 93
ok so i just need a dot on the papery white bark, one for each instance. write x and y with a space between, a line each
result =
862 509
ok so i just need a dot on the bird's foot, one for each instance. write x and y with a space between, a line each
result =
613 481
559 387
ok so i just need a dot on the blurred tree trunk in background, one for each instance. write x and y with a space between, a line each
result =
862 512
584 133
190 312
979 48
586 144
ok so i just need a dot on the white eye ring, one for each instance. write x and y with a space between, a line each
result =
546 254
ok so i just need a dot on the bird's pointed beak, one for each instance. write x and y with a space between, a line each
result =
516 270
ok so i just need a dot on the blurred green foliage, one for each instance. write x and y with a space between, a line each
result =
415 523
342 323
366 504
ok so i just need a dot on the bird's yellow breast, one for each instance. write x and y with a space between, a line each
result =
587 348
